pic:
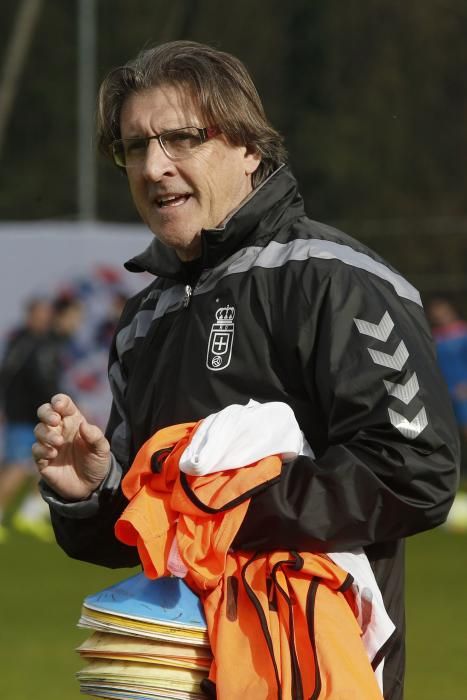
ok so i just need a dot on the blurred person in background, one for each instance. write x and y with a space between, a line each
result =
310 317
450 334
106 328
28 374
68 316
83 358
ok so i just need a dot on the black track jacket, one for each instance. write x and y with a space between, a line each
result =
282 308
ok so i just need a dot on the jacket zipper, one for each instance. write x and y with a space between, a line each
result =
187 296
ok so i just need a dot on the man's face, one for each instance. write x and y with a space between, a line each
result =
39 317
178 198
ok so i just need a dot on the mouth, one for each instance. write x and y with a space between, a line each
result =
172 200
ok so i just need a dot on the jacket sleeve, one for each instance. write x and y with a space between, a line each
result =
384 435
85 529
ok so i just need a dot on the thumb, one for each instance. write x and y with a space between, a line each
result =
94 438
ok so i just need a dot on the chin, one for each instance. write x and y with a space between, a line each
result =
186 247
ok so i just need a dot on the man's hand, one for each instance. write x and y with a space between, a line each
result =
72 456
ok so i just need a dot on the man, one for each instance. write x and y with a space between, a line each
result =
252 299
450 335
28 376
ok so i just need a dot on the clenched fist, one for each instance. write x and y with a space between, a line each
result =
72 455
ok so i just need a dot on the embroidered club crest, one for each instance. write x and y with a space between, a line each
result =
221 339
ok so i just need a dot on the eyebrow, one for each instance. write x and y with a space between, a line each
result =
158 133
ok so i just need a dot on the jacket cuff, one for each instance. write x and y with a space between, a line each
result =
88 507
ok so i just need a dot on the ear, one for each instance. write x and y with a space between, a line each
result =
252 161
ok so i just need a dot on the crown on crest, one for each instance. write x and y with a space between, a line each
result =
225 313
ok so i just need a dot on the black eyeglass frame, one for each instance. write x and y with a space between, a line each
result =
204 133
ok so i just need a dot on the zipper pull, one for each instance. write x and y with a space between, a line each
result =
187 296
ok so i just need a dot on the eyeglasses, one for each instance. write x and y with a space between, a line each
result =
176 144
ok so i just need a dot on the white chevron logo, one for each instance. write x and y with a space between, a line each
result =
403 392
409 429
395 361
380 331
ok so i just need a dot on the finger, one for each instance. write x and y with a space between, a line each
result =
94 438
47 415
48 435
42 454
63 405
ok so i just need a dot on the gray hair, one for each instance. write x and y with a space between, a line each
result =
220 86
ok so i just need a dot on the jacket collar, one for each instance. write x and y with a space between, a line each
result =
255 220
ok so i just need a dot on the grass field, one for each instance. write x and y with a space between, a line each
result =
42 591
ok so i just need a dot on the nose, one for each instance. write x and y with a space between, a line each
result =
156 162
